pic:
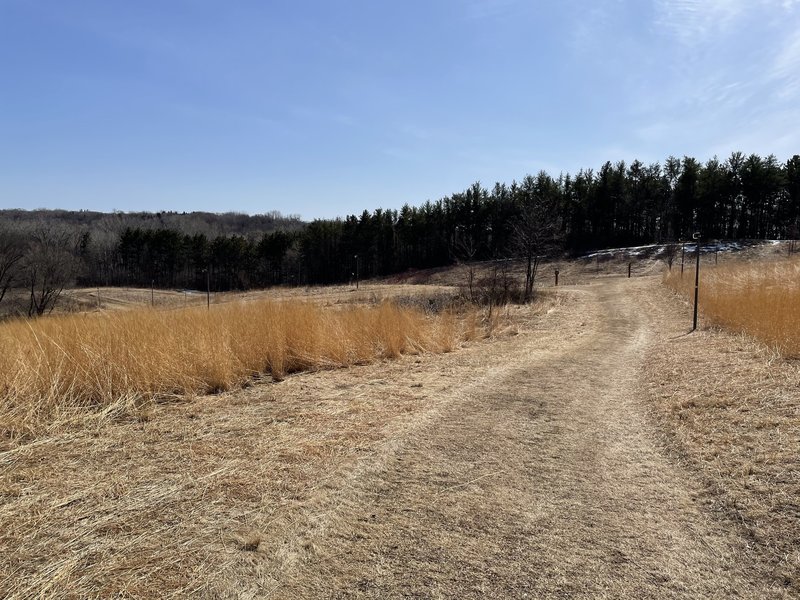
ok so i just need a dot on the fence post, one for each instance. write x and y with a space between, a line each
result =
629 269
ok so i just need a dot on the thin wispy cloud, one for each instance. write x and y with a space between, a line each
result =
731 71
786 69
693 21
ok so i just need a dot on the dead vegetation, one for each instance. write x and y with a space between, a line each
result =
67 369
107 299
234 495
731 406
759 298
222 496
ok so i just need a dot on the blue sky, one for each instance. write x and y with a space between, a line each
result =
326 108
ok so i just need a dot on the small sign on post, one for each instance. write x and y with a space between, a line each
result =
696 236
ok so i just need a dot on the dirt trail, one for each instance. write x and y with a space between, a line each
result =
547 480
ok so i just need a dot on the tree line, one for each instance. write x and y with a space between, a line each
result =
741 197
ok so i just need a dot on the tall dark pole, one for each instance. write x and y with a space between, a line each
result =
152 293
696 280
356 257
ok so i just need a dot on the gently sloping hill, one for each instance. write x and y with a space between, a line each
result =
732 408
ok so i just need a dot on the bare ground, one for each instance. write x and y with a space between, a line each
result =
531 466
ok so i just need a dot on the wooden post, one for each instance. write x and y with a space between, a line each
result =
629 269
556 271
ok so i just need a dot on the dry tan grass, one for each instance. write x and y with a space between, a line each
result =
115 298
213 498
64 369
320 485
759 298
730 405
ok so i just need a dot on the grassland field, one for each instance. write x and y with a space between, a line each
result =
385 441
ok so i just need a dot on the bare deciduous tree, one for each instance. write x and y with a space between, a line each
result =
670 252
49 266
12 250
535 233
465 250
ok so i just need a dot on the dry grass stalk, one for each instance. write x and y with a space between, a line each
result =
64 369
761 299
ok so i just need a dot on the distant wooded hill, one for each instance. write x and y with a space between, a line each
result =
208 224
741 197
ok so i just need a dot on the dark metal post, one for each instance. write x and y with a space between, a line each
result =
696 281
556 277
356 257
152 292
629 269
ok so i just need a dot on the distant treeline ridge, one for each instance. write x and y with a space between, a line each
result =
742 197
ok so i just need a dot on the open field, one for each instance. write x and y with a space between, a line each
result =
89 299
590 450
62 369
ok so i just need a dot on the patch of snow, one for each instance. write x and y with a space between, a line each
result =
689 246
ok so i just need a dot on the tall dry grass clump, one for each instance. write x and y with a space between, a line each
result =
761 299
57 370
